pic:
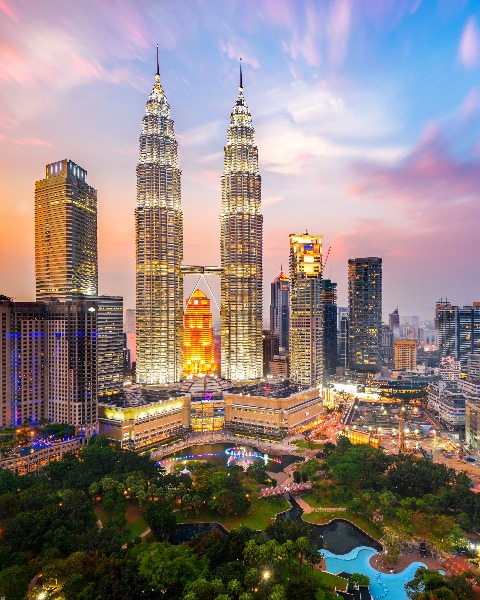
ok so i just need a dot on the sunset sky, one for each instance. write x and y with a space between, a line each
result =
367 119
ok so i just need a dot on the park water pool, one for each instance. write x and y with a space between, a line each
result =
385 586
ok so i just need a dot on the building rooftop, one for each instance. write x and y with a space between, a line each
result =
136 396
283 389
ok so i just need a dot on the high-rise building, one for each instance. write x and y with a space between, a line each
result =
241 240
405 355
394 324
280 310
343 336
66 261
198 351
306 319
440 305
130 321
271 349
329 307
159 240
365 310
48 353
109 344
387 346
459 331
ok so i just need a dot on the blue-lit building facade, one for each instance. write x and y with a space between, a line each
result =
48 353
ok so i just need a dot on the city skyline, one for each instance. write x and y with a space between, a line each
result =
366 117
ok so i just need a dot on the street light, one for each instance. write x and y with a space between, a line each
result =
266 575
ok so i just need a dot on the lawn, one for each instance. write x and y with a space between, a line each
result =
321 517
260 514
331 580
135 525
308 445
327 501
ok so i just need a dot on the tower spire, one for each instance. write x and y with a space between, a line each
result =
241 79
158 67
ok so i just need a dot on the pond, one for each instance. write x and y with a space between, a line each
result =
338 536
227 454
185 532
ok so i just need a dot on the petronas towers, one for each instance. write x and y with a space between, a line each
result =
159 243
159 240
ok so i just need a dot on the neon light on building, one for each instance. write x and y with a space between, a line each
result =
198 353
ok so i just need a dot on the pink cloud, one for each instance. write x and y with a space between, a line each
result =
340 20
33 142
7 10
469 49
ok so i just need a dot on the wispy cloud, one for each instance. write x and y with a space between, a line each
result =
469 48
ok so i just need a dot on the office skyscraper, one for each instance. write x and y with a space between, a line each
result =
329 308
342 336
198 351
159 239
66 261
241 240
280 310
458 331
394 324
306 319
365 311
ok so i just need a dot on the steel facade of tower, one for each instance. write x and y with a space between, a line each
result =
306 319
241 250
159 243
365 310
66 260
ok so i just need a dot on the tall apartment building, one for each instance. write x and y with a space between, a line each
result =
459 331
159 241
405 355
280 310
342 326
329 307
365 310
48 353
306 319
130 321
66 261
241 240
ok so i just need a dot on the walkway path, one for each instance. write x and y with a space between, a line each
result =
285 489
308 509
142 535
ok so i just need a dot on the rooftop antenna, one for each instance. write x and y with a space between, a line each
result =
158 66
241 78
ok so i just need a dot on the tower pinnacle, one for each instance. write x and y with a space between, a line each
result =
158 66
241 79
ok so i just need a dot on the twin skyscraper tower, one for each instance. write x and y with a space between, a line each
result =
159 243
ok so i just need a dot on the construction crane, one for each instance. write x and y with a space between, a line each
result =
326 258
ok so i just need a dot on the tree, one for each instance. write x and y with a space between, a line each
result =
357 579
168 569
161 520
431 585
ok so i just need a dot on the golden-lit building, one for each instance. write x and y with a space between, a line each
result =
159 242
66 261
405 355
146 417
241 240
198 351
306 322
